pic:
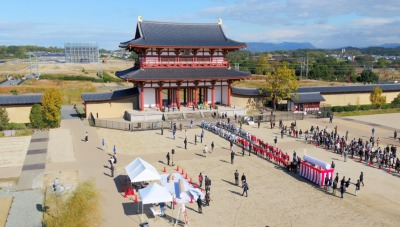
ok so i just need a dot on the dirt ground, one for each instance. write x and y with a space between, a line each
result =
67 68
5 204
276 197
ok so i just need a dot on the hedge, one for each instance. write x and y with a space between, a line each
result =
106 78
350 108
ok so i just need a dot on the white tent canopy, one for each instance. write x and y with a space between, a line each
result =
155 194
140 170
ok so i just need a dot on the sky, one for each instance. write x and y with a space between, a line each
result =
323 23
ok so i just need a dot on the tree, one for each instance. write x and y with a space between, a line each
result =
280 84
51 103
36 117
3 118
376 97
262 65
367 76
396 101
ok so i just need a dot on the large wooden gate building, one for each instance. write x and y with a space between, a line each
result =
187 61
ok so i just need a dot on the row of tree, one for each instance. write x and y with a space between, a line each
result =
7 52
317 66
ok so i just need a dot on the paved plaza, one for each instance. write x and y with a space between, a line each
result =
276 197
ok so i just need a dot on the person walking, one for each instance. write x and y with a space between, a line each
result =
357 187
115 159
243 179
276 141
201 137
236 174
245 188
330 118
258 123
208 198
212 146
185 142
162 130
232 156
205 150
326 183
195 139
334 187
362 178
173 133
200 180
167 158
342 190
395 134
86 137
199 204
114 150
111 161
373 131
103 144
191 123
345 154
347 184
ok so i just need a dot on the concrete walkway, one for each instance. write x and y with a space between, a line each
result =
26 209
32 174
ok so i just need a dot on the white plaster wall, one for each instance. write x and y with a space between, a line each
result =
224 94
218 94
209 94
149 97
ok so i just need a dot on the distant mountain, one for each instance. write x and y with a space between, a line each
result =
263 47
390 45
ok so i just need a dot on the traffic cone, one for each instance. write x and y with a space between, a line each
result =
182 172
177 168
191 199
164 171
390 170
136 199
191 181
186 177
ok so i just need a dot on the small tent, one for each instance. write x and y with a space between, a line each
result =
140 170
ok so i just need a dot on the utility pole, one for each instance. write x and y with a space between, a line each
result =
301 68
307 68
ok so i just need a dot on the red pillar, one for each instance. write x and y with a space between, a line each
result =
178 100
229 93
213 94
141 96
196 93
160 96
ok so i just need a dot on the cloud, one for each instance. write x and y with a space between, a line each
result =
369 21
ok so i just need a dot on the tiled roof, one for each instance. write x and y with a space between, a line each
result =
349 89
20 99
165 34
327 90
119 94
168 74
245 91
307 97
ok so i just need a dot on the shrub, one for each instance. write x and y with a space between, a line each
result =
15 126
81 208
36 117
3 118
